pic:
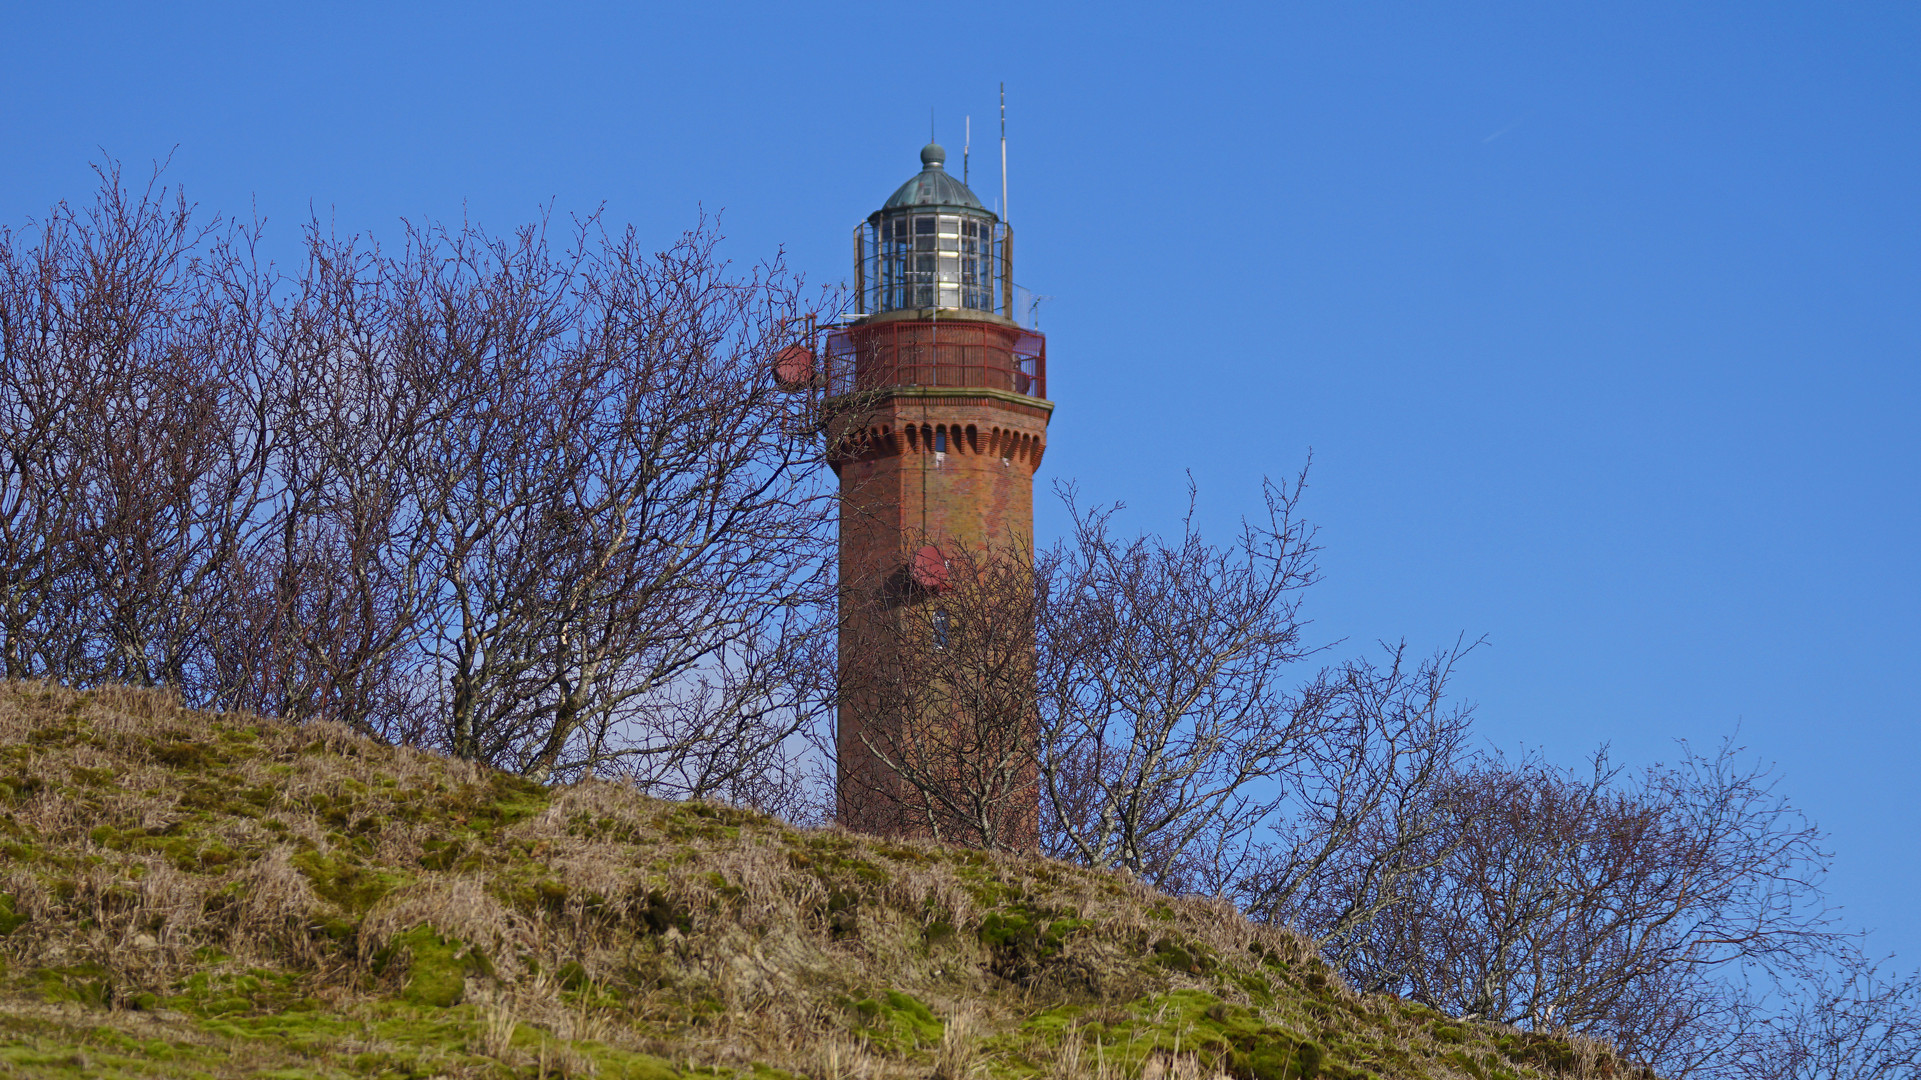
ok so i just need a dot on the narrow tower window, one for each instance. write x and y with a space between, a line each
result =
940 441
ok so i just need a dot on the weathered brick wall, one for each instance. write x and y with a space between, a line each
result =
900 491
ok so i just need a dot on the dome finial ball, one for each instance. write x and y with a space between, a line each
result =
932 156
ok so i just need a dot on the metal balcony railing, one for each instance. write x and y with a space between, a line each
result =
959 353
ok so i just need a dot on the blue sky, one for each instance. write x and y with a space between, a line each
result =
1601 321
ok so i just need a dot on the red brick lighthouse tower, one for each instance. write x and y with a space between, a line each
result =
937 398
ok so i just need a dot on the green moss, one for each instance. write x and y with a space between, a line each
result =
182 755
723 888
305 1030
896 1022
1171 954
437 967
98 778
225 993
1533 1048
1225 1036
85 984
1009 931
454 853
830 857
55 735
842 914
1467 1064
1258 989
1052 1025
504 800
21 787
344 881
180 843
902 854
10 918
1022 939
628 1065
1177 954
862 871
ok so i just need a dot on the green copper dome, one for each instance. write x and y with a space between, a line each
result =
935 186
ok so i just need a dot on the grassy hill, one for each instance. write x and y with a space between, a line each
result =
187 895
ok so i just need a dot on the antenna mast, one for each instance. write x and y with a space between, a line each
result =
1003 152
967 143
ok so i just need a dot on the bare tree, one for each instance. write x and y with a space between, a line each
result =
1185 740
547 510
623 525
1164 696
1846 1021
138 437
45 457
1181 740
336 589
1368 811
1613 905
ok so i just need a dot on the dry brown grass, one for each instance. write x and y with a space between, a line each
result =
204 873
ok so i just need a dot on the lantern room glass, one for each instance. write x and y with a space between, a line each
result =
936 257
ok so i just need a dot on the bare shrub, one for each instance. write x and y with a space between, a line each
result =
1629 907
1184 738
1163 697
133 415
1370 810
542 509
1849 1019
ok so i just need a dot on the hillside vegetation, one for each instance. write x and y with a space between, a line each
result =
185 894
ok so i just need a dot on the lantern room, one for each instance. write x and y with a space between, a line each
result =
932 246
935 303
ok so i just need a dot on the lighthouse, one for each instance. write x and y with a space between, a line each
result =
936 399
